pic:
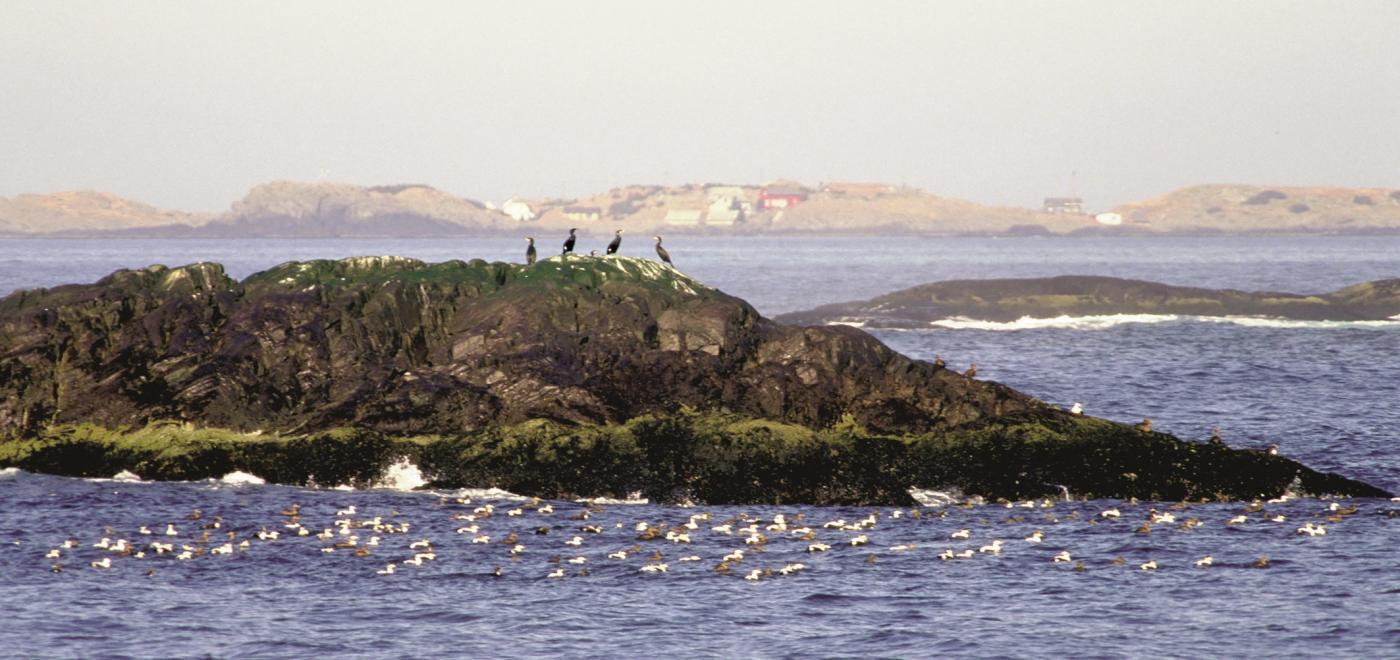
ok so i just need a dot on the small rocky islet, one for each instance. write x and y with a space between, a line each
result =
574 377
1005 300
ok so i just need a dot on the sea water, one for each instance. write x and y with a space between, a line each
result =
1325 392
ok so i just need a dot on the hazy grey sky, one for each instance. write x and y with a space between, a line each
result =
188 104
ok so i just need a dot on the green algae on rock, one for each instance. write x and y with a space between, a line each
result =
706 457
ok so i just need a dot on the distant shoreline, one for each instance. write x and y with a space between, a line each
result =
1079 235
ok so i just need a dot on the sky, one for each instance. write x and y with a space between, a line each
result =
188 104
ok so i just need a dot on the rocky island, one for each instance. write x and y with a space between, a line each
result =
1005 300
571 377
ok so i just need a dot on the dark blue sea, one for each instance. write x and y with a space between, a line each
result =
1326 393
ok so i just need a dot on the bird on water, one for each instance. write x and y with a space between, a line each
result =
616 242
530 251
661 251
569 242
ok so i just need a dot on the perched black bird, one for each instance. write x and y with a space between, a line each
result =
661 252
530 251
569 242
616 243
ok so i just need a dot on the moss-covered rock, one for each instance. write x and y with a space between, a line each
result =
714 458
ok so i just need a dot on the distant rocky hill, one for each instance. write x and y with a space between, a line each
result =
1232 209
85 212
296 209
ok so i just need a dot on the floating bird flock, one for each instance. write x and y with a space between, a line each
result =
756 548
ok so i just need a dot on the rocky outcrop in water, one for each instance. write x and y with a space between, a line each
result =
400 346
581 376
1076 295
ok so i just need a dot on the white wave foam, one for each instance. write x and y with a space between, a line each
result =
1265 322
1103 322
934 498
126 476
402 475
1059 322
240 478
853 324
632 499
488 494
10 472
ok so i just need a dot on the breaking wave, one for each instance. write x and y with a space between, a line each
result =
402 475
240 478
1103 322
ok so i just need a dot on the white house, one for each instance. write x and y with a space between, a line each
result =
518 210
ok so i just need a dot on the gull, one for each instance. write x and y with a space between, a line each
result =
1204 561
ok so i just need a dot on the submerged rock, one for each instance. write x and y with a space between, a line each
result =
577 376
1004 300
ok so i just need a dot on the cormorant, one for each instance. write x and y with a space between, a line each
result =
530 251
661 251
616 243
569 242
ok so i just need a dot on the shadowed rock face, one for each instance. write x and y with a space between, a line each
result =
404 347
1010 299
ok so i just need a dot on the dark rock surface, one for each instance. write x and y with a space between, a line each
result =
399 346
587 376
1006 300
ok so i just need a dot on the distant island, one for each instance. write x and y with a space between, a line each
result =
1004 300
572 377
286 209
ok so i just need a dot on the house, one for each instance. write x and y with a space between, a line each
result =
518 210
715 193
1072 205
866 190
583 213
781 197
683 217
724 211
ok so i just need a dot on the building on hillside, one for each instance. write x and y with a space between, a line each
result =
583 213
683 217
518 210
1110 219
867 190
724 211
1067 205
781 197
714 193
